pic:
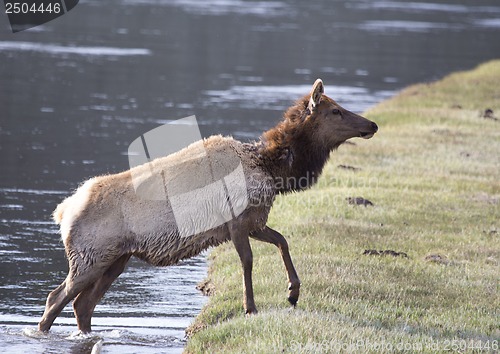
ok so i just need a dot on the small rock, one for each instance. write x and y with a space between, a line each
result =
349 168
437 258
385 253
489 114
493 231
359 201
371 253
492 261
394 253
206 287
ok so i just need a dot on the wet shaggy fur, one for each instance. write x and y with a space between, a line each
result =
109 219
106 221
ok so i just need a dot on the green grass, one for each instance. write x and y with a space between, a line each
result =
433 173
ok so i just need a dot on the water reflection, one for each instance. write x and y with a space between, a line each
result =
279 97
62 50
223 7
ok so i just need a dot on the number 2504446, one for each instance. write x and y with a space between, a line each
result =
27 8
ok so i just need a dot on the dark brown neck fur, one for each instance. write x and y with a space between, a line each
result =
290 153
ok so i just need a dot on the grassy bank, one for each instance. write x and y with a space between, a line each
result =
433 175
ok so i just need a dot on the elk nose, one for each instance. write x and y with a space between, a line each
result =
374 127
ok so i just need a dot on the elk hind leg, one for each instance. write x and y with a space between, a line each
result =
62 295
87 300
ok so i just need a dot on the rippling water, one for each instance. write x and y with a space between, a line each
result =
147 308
77 91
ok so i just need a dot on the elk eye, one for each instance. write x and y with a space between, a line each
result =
336 111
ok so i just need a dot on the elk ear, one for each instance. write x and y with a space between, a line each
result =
316 92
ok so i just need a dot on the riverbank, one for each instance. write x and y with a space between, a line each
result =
432 173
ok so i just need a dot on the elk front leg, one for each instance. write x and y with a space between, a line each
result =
242 245
271 236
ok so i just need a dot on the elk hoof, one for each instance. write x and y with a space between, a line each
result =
293 294
42 327
250 312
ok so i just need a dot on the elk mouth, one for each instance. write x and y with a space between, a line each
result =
366 135
369 134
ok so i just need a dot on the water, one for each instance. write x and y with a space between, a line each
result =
147 308
74 93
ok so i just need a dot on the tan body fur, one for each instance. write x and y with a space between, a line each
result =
114 220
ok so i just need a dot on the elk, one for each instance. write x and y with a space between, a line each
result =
107 220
